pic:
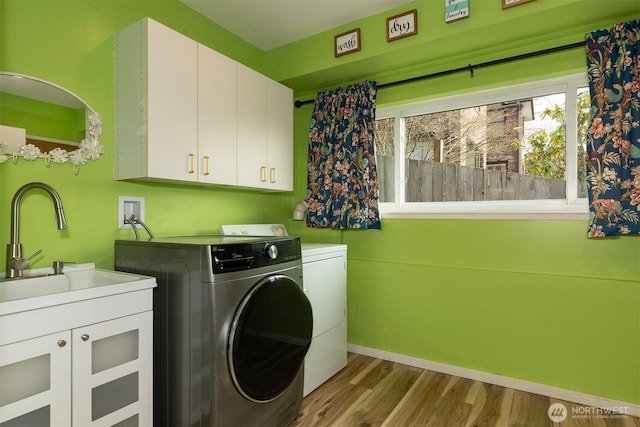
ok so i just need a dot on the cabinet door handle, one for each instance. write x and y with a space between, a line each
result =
192 159
207 165
62 343
263 174
272 174
84 337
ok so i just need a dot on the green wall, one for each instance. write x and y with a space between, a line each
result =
70 43
530 299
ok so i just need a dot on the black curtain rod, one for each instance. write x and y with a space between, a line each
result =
470 68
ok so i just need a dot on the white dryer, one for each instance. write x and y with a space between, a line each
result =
325 282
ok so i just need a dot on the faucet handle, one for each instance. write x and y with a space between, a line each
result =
38 252
23 263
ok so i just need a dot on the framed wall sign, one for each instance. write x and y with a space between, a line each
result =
455 9
347 42
511 3
402 25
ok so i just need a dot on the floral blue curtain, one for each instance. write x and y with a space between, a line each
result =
613 146
342 186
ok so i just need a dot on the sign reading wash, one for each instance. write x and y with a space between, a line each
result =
347 42
456 9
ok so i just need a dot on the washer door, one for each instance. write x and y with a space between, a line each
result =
269 337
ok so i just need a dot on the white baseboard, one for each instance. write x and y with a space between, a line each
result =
517 384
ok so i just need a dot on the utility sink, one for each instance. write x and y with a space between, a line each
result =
13 289
38 289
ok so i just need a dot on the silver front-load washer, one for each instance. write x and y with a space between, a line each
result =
231 328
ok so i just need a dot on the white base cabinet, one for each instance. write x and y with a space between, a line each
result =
95 372
324 271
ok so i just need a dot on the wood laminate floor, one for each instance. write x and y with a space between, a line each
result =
371 392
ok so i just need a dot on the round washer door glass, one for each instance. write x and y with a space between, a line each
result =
270 335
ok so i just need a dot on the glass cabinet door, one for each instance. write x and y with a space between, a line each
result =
112 382
35 381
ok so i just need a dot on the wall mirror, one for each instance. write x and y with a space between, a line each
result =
41 120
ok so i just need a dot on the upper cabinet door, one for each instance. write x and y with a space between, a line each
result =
280 136
217 118
253 168
156 95
172 102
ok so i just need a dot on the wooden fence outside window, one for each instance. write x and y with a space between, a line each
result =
429 181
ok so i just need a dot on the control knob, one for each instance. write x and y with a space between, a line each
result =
271 251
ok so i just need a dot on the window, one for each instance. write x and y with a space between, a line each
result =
516 151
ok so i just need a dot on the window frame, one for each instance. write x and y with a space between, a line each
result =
570 208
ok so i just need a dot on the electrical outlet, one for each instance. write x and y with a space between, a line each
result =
128 206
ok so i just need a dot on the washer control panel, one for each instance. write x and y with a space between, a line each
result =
230 257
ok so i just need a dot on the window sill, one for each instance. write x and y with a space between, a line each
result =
534 209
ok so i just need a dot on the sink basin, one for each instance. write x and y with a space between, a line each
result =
79 281
11 290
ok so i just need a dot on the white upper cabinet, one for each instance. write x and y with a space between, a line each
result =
280 136
265 137
156 99
184 112
217 118
252 134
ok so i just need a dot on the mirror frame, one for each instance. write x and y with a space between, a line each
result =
89 148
